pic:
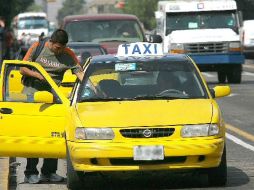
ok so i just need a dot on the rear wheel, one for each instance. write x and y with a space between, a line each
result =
74 178
221 77
235 74
218 176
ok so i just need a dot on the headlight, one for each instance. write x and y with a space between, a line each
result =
94 133
176 48
201 130
234 46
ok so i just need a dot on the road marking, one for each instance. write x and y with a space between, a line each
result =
240 142
250 65
208 74
240 132
232 94
4 173
247 73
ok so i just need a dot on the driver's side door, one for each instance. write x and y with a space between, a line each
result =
30 127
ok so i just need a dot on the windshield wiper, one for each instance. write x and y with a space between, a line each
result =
113 41
157 97
102 99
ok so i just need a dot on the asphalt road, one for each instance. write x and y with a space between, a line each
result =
238 113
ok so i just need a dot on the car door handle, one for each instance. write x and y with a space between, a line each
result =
6 110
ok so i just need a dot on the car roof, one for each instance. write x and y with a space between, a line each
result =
248 23
87 44
99 17
113 58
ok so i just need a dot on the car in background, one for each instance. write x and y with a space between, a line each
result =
248 38
83 50
109 30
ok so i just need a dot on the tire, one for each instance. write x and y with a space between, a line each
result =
221 77
74 178
218 176
235 74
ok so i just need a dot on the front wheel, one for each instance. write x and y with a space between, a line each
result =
218 176
74 178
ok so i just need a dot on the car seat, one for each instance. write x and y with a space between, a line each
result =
111 88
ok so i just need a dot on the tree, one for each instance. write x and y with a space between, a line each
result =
10 8
246 6
35 8
70 7
144 10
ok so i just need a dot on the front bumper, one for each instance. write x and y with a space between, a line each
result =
215 59
118 156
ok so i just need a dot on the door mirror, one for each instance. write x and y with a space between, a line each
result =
43 97
220 91
154 38
240 15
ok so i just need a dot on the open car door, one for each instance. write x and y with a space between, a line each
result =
31 126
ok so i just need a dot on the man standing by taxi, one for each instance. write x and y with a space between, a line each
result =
55 58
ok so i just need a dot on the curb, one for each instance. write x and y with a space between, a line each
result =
4 176
12 172
249 65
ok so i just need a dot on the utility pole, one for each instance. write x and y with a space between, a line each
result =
45 6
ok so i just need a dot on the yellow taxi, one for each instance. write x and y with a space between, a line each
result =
138 110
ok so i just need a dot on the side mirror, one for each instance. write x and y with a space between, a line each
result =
220 91
43 97
240 14
154 38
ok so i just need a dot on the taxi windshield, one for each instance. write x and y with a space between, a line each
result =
141 80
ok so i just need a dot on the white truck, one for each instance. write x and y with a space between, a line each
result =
206 30
30 25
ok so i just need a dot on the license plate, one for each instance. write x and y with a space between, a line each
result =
148 152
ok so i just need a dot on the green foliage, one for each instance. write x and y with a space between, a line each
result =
70 7
10 8
35 8
144 10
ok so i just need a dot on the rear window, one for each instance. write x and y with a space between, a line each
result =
104 30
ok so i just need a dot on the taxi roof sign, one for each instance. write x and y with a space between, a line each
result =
140 49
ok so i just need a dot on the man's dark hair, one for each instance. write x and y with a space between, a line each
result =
59 36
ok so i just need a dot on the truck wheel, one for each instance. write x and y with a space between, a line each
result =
218 176
235 74
74 178
221 77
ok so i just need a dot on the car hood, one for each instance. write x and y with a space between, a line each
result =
111 46
203 35
145 113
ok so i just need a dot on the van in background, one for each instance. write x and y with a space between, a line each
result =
31 24
208 31
248 39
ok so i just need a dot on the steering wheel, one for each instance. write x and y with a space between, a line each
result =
169 91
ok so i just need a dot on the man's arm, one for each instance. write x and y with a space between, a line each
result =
77 70
80 75
28 72
28 57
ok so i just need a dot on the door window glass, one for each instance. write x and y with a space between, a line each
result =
18 88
